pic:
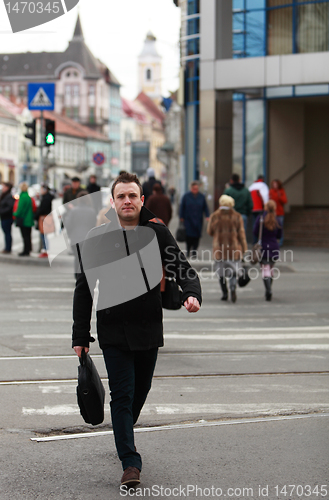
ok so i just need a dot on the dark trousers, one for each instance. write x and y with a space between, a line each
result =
191 244
6 228
26 235
130 377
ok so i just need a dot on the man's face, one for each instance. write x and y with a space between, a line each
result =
92 180
195 189
75 184
127 202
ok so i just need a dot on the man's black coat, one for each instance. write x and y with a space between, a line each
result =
136 324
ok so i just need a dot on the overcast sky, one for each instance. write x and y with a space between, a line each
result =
114 30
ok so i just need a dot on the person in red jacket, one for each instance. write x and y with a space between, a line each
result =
278 194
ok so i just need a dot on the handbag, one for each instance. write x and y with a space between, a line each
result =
19 221
244 277
172 295
46 224
256 252
181 233
90 391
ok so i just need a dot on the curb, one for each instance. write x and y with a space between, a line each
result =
32 260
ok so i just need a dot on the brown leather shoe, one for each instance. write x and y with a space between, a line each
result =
130 477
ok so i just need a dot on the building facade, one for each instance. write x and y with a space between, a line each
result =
263 97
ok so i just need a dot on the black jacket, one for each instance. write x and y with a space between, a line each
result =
45 205
93 188
148 187
136 324
6 206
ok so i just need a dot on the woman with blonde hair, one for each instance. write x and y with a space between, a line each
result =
271 235
229 243
25 219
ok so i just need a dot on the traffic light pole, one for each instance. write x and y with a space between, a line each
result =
41 148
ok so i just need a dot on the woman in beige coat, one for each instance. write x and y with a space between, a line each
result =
229 243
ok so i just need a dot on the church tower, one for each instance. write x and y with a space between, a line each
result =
149 69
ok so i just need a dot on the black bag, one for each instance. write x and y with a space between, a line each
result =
181 233
244 278
90 391
172 295
19 221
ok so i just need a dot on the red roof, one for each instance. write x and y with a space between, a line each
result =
151 107
131 110
67 126
9 106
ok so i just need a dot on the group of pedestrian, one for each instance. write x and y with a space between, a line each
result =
24 212
228 227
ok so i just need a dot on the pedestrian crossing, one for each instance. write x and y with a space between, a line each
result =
226 361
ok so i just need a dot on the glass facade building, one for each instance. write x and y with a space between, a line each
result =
192 78
263 28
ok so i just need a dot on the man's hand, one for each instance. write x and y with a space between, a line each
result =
78 349
192 305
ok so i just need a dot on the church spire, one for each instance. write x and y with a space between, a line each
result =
78 34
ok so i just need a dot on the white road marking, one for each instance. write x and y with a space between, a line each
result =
42 289
206 336
194 425
248 336
187 409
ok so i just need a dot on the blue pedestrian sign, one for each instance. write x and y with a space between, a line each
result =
41 96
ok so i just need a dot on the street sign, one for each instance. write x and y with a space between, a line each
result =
41 96
98 158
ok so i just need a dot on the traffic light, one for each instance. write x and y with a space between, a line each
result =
50 135
31 135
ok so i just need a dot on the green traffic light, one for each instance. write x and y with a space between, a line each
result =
50 139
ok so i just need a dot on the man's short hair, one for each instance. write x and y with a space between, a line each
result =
235 178
260 178
195 183
75 179
126 178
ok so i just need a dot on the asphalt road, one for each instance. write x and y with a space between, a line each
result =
239 405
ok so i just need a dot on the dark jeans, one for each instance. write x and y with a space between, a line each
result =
26 235
130 377
6 228
191 244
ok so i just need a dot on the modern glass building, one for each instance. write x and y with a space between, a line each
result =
257 93
191 58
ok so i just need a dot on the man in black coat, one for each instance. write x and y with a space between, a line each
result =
148 185
129 331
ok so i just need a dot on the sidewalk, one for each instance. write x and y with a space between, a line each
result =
293 259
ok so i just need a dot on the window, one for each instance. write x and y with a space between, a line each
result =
22 91
7 91
91 89
91 115
148 74
75 114
1 90
276 27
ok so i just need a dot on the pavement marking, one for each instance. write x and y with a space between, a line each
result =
214 336
42 289
204 320
195 425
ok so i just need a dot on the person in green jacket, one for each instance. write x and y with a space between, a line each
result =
25 213
242 197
